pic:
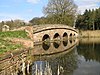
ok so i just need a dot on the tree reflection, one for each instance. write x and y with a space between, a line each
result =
65 64
91 51
56 44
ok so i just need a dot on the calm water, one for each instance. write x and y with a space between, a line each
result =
83 59
76 57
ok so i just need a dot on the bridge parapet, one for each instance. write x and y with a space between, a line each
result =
55 31
38 28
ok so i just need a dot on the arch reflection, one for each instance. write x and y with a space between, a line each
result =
71 41
46 42
65 42
46 46
65 36
56 44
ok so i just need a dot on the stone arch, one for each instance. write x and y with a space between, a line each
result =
71 35
46 46
56 36
71 41
56 45
46 37
65 42
74 35
65 36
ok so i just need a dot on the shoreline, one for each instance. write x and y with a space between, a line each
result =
89 34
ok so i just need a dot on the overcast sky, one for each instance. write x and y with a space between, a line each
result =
27 9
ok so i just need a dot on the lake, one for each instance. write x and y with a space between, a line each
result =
68 57
82 59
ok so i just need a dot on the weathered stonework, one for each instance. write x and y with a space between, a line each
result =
28 29
51 30
5 28
26 43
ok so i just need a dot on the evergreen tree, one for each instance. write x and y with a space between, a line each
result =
90 20
97 19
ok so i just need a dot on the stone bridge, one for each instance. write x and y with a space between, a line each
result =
19 61
52 32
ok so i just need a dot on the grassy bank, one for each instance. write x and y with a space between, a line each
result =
6 44
90 34
14 34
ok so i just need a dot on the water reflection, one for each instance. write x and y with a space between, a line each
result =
46 45
63 64
17 65
56 44
88 57
71 41
67 59
65 42
55 62
90 50
53 47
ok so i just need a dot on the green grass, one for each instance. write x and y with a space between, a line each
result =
6 46
15 34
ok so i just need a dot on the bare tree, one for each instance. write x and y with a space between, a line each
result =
62 10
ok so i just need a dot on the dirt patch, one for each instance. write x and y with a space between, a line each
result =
26 43
28 29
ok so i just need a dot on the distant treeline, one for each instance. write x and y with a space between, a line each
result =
57 12
90 20
55 19
13 24
62 12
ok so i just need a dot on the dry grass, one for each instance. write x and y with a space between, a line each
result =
89 33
